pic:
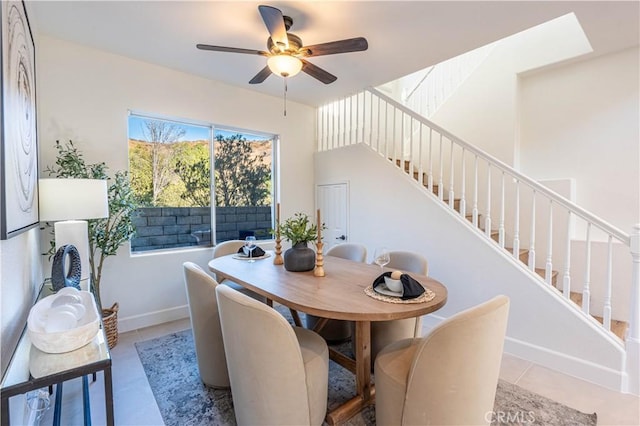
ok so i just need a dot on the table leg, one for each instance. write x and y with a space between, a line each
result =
57 410
108 396
296 317
364 389
363 359
86 403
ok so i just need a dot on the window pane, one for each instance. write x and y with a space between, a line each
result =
243 185
170 170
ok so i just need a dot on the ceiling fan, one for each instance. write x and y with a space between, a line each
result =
286 53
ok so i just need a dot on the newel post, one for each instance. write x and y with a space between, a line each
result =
633 338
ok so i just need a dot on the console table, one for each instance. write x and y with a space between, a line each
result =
31 369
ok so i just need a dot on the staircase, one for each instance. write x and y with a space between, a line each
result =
517 214
618 327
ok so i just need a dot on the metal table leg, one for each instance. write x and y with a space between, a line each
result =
57 411
86 402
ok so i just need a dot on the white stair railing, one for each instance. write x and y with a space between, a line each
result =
428 153
427 90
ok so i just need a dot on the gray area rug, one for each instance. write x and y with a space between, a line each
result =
171 368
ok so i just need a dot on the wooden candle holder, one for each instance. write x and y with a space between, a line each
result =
319 270
277 259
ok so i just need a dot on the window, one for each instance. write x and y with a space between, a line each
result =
174 180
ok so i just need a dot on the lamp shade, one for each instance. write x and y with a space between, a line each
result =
65 199
284 65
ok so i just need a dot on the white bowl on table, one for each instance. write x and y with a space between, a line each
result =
393 285
64 326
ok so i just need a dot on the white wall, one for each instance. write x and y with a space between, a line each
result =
85 95
581 121
387 208
20 279
484 109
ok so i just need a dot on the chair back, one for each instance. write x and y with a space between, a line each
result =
408 261
227 247
351 251
454 373
205 326
266 370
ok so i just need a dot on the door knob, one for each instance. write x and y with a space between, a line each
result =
341 237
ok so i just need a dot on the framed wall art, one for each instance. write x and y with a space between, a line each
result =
18 138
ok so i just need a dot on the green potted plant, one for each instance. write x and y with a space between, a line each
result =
299 231
105 235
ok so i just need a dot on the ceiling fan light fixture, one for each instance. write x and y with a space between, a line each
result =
284 65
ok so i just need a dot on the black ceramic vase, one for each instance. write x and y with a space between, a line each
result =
299 258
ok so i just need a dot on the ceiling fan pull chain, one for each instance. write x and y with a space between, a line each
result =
285 96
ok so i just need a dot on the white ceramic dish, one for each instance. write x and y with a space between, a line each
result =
393 285
245 257
68 339
382 289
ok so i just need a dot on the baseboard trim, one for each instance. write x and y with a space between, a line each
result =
563 363
567 364
152 318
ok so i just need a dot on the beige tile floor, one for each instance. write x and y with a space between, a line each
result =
135 405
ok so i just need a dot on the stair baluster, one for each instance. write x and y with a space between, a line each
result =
606 313
586 291
566 278
548 269
532 243
430 160
475 192
463 195
516 226
501 225
451 171
441 167
487 221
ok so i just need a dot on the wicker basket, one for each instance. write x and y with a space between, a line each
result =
110 324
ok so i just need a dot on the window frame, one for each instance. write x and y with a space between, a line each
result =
213 129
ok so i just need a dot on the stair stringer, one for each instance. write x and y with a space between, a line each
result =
388 207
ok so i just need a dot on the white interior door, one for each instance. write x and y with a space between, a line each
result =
332 200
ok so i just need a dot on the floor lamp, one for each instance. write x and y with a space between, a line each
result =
68 202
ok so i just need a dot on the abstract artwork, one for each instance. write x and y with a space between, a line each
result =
18 139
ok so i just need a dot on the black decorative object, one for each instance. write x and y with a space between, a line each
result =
72 278
299 258
410 287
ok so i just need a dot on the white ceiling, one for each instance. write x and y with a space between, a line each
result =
404 36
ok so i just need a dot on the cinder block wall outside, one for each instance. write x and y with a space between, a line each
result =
170 227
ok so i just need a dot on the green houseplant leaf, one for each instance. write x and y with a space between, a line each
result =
298 229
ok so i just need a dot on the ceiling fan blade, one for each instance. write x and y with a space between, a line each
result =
261 76
274 21
230 49
317 72
357 44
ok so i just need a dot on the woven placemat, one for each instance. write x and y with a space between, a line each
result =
427 296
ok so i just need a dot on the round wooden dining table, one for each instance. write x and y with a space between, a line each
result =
340 294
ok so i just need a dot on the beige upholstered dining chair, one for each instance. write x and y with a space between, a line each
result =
279 374
386 332
336 331
231 247
450 376
205 326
